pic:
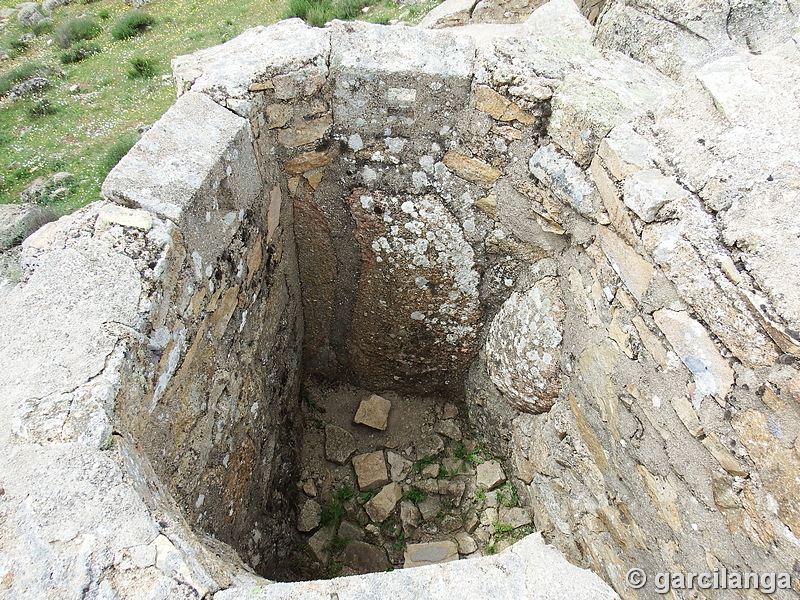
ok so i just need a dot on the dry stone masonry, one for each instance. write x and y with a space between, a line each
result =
580 232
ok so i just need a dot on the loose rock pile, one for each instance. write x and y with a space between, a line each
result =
395 481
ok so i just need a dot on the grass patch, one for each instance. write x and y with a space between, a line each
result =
420 464
104 106
415 494
507 495
334 511
318 12
79 51
42 108
75 30
117 150
133 24
44 27
141 67
18 45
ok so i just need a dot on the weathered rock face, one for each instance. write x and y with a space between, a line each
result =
523 349
601 253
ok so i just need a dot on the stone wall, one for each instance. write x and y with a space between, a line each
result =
597 252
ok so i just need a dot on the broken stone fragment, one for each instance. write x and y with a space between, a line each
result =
370 470
309 161
320 542
646 192
348 530
691 342
373 412
399 467
489 101
417 555
625 152
515 516
634 271
305 132
564 179
449 429
471 169
382 505
410 517
490 475
339 444
308 520
466 543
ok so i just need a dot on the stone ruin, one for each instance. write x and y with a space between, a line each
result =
587 234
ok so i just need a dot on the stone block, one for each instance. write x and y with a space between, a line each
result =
635 272
308 519
339 444
625 152
646 192
370 470
471 169
490 475
523 348
373 412
466 543
691 342
564 179
364 558
429 553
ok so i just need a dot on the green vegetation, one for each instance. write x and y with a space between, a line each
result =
364 497
318 12
133 24
420 464
75 30
79 51
507 495
84 49
42 108
142 67
415 494
117 150
334 511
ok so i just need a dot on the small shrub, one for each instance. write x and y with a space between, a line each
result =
364 497
26 71
43 27
132 24
78 52
42 108
74 30
142 68
347 9
104 14
5 85
117 150
507 495
420 464
19 46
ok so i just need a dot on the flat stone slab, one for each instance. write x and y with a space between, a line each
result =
370 470
490 475
373 412
339 444
429 553
308 520
364 558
